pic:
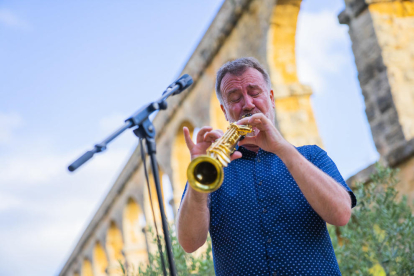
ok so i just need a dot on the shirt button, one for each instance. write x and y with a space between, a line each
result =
275 273
258 160
264 210
269 240
260 183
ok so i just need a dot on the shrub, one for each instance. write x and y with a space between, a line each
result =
379 239
186 264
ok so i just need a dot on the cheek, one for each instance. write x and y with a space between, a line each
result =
261 104
235 109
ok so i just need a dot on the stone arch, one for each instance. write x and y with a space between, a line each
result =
100 261
135 248
86 268
114 246
294 114
180 158
217 118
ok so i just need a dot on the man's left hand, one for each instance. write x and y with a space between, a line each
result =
268 137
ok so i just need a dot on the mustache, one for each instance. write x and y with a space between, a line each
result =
250 113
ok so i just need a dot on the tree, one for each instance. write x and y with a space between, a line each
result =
379 239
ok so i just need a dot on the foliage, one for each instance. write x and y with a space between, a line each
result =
379 239
186 264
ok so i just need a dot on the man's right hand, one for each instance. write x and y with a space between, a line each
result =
205 137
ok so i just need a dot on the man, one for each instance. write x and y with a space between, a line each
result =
269 216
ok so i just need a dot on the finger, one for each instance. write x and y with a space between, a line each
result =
200 134
243 121
212 136
259 121
187 137
248 120
236 155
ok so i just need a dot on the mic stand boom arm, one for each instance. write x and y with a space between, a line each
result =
136 119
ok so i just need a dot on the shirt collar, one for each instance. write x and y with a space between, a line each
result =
247 154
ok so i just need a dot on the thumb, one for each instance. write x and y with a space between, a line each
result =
236 155
189 142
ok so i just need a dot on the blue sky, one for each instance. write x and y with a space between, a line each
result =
71 72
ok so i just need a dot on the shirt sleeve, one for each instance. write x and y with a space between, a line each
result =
182 197
325 163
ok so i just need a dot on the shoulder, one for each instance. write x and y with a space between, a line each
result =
311 152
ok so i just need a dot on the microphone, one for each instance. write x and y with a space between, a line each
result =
183 82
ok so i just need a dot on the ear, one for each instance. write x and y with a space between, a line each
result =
224 111
272 98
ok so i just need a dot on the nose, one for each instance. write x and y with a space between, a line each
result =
248 103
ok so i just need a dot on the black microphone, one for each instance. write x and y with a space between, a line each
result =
183 82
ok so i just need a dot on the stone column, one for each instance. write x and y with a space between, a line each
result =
135 255
294 115
382 34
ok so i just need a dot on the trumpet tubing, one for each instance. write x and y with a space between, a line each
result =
205 173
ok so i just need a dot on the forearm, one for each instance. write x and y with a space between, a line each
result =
327 197
193 220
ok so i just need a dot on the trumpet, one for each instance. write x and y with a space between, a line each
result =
205 173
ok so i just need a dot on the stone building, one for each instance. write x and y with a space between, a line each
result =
382 34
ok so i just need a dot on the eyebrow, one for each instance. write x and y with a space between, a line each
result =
250 86
232 91
254 86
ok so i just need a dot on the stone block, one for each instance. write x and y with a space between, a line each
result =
370 111
391 118
356 6
385 103
366 73
378 129
394 136
401 153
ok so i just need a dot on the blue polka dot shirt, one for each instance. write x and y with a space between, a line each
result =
261 223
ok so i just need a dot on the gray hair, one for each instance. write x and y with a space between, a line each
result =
237 67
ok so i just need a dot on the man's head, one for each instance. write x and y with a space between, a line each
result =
242 87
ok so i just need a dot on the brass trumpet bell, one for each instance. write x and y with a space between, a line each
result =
205 173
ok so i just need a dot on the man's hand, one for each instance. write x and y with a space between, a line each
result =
327 197
268 138
205 137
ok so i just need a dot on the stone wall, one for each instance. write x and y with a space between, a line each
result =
382 34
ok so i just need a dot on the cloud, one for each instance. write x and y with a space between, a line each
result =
9 19
112 122
8 201
43 207
317 38
8 124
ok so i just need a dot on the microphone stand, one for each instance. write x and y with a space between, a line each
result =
145 130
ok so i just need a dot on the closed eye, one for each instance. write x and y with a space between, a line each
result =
236 100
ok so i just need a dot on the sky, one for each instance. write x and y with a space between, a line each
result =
72 71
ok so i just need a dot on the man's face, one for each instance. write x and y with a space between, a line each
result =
244 94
